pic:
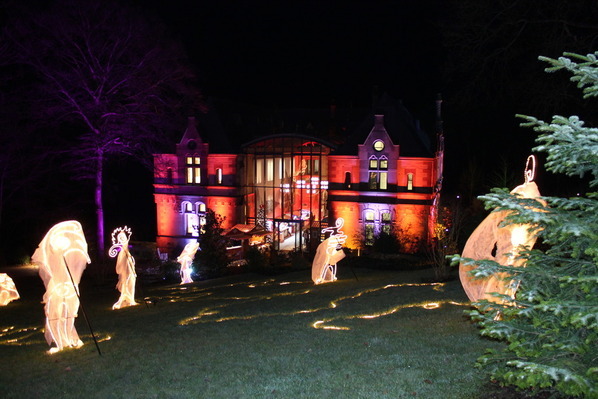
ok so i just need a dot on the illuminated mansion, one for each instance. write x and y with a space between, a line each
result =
384 176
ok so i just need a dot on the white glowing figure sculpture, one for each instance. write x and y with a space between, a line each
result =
186 259
125 267
328 254
499 243
8 291
62 258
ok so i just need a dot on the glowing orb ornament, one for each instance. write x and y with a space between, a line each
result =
62 258
125 267
501 244
328 254
8 291
186 259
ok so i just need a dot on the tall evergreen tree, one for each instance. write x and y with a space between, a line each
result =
551 326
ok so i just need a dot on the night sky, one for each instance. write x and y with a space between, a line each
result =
307 53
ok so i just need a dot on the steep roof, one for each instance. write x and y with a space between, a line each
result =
400 125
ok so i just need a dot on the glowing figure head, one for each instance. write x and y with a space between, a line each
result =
62 258
125 267
8 291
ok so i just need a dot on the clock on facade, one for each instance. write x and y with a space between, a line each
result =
378 145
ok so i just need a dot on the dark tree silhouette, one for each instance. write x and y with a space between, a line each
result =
110 74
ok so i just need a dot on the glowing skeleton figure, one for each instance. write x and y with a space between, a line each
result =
8 291
125 267
498 243
185 259
328 254
62 258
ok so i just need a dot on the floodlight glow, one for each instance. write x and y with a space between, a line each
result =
186 260
62 258
8 290
125 267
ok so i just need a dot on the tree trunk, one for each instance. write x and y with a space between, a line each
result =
99 206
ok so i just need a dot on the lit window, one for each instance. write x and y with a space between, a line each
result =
219 176
269 169
259 170
373 163
373 181
386 217
384 163
369 215
383 180
409 181
369 234
201 207
193 170
378 145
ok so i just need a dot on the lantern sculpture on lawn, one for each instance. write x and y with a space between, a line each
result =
125 267
502 244
186 259
328 254
62 257
8 291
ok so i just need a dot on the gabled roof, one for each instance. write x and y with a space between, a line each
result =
400 125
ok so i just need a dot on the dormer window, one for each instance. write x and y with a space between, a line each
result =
378 145
192 165
383 163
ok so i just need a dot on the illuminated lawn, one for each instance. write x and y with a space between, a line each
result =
386 335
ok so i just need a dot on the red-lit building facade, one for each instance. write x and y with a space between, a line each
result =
384 177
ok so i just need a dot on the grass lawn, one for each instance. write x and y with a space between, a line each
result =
386 334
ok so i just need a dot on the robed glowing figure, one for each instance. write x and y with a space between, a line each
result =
8 291
328 254
125 267
62 258
502 244
186 259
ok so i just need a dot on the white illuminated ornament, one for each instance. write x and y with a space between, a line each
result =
328 254
62 258
499 243
125 267
186 259
8 291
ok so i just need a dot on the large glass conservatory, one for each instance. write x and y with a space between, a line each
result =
285 189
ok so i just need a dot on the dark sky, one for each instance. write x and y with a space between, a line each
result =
306 53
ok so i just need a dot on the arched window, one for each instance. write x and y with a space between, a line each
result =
377 175
383 165
348 179
219 176
369 216
386 219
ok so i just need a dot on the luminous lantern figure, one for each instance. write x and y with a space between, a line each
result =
125 267
499 243
185 259
62 258
8 291
328 254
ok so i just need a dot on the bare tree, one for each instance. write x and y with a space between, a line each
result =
110 73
